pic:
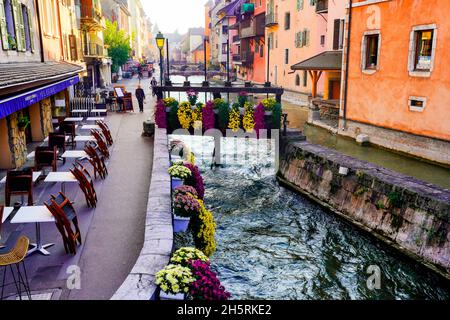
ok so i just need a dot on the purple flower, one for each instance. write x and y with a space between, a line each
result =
196 180
208 116
160 115
259 119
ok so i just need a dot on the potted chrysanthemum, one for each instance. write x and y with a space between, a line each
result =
179 173
174 281
185 206
184 255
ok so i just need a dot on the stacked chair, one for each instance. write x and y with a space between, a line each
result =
102 144
66 221
58 140
106 132
86 184
97 161
69 129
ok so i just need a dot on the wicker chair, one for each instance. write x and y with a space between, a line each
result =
13 254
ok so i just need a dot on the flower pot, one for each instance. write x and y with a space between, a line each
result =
180 224
176 182
268 113
216 111
242 110
168 109
169 296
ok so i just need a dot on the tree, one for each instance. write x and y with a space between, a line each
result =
118 43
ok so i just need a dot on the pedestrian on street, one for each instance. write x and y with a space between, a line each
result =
153 83
140 96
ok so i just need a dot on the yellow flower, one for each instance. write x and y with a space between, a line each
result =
235 120
207 230
248 121
185 115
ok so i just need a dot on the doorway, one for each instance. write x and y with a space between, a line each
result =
334 90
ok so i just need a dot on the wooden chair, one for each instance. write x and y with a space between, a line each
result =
106 131
69 129
86 184
46 157
66 221
58 140
101 143
19 182
97 162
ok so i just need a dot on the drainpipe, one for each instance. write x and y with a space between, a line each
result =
41 43
58 9
347 62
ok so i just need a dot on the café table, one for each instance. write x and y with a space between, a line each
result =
36 176
47 139
62 177
73 119
90 127
76 154
84 138
36 215
6 213
80 111
93 119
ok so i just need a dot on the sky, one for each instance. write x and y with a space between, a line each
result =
171 15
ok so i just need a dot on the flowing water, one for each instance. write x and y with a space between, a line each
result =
275 244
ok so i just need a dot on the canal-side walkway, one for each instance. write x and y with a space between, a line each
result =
116 233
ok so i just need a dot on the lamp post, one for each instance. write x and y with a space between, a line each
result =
160 44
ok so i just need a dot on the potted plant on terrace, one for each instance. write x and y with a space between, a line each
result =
23 122
185 206
206 285
178 172
184 255
174 281
192 97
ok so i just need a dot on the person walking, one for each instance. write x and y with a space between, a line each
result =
140 96
153 83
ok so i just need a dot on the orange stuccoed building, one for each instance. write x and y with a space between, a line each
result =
396 83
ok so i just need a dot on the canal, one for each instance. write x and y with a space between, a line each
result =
275 244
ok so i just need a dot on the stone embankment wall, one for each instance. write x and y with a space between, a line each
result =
157 248
409 214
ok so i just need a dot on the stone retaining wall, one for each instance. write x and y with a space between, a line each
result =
155 254
409 214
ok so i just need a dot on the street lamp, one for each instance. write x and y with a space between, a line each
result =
160 44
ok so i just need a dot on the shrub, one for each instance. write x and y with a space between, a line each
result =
174 279
196 180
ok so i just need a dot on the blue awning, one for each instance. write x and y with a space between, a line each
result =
16 103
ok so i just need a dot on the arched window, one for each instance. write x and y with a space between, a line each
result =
297 80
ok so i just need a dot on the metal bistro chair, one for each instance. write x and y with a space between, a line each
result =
19 182
13 255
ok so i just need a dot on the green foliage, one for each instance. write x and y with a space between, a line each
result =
276 116
380 205
224 115
119 45
360 191
395 199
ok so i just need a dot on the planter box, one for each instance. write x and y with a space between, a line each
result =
168 296
180 224
176 182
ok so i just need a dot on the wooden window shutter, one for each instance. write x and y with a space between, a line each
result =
16 16
3 28
336 34
73 47
307 33
21 27
30 28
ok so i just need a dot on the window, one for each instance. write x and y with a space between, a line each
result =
224 48
287 21
305 78
297 80
16 26
322 40
417 103
338 34
372 51
424 50
299 5
286 56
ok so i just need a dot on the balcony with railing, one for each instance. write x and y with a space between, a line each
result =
271 19
322 6
91 15
94 50
253 27
236 39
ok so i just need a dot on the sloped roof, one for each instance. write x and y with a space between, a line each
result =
15 74
328 60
